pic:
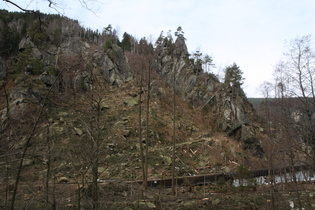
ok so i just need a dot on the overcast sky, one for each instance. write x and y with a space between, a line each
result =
250 33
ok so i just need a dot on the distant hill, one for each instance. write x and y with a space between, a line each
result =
256 101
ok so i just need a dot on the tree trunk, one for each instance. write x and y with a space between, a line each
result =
174 137
147 129
140 135
94 183
48 164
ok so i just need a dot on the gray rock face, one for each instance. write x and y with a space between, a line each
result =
180 47
234 119
230 105
77 59
78 56
25 43
18 105
234 107
191 86
115 67
48 79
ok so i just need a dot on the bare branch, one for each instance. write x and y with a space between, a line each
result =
25 10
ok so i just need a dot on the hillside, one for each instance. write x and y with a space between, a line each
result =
79 106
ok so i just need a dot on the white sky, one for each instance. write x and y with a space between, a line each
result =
250 33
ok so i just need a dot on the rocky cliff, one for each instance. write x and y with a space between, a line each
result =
75 76
78 107
228 105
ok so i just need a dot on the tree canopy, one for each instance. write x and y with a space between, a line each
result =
234 75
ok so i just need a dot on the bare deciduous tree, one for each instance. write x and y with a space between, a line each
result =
290 115
295 77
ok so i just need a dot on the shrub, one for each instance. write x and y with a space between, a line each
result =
107 45
243 174
27 63
40 39
221 181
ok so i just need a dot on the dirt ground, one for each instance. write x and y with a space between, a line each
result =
217 197
119 195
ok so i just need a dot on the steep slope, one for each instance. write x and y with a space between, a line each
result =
228 106
74 104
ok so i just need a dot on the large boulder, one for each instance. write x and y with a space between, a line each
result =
114 64
180 48
49 77
17 107
235 114
72 47
26 42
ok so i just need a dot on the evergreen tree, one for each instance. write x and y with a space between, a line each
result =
208 61
179 33
160 39
233 76
10 40
197 62
126 42
168 40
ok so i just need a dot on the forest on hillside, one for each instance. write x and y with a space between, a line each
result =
87 120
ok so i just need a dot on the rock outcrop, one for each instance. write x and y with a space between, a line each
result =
71 63
114 64
229 105
75 59
71 105
193 86
235 114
